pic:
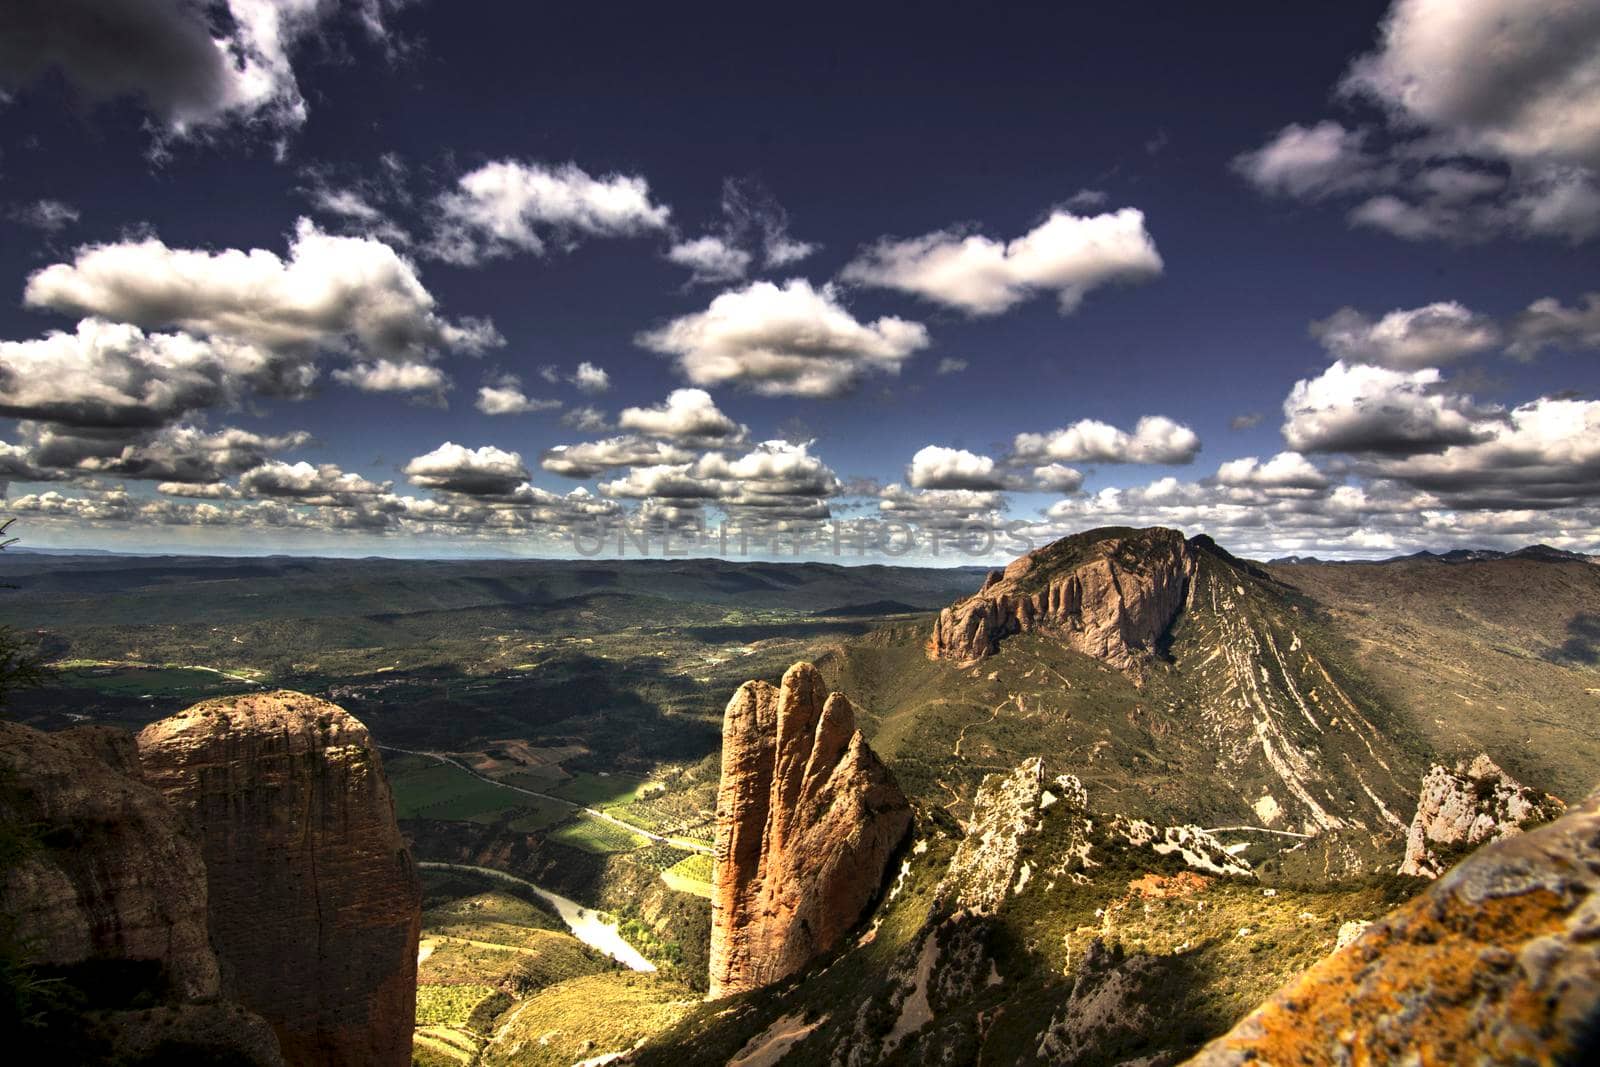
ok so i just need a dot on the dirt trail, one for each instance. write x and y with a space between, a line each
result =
993 715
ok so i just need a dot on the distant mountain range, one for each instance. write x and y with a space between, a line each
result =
1456 555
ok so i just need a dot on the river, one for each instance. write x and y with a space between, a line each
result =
585 923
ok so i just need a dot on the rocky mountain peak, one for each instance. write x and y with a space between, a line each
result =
1109 593
807 819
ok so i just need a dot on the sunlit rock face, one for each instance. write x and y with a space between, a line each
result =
1474 803
314 900
807 819
1497 962
1110 594
114 873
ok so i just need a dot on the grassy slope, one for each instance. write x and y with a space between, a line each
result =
478 941
587 1017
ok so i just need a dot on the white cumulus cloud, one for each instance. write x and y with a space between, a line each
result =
505 397
1286 470
387 376
1155 439
508 206
1067 255
789 340
352 294
710 259
486 471
174 57
687 416
938 467
1355 407
590 378
1488 125
1407 339
594 457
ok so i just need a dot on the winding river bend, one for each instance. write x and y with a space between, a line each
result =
585 923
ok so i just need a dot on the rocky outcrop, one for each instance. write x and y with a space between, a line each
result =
102 868
1115 999
1197 848
988 861
1497 962
1109 593
314 902
807 819
1463 808
1034 835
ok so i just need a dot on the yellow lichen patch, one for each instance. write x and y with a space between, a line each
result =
1411 987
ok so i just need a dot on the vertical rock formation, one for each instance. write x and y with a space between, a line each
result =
314 901
1497 962
1005 811
1476 802
105 870
1108 593
807 818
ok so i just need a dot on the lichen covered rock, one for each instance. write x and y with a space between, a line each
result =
1110 594
807 819
1497 962
314 901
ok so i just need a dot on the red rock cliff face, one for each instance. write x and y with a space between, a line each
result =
314 900
807 818
117 874
1109 595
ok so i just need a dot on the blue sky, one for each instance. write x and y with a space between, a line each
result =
921 264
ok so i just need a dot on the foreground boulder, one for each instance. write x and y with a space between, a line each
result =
314 902
1108 593
807 819
1463 808
1496 962
105 871
103 909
